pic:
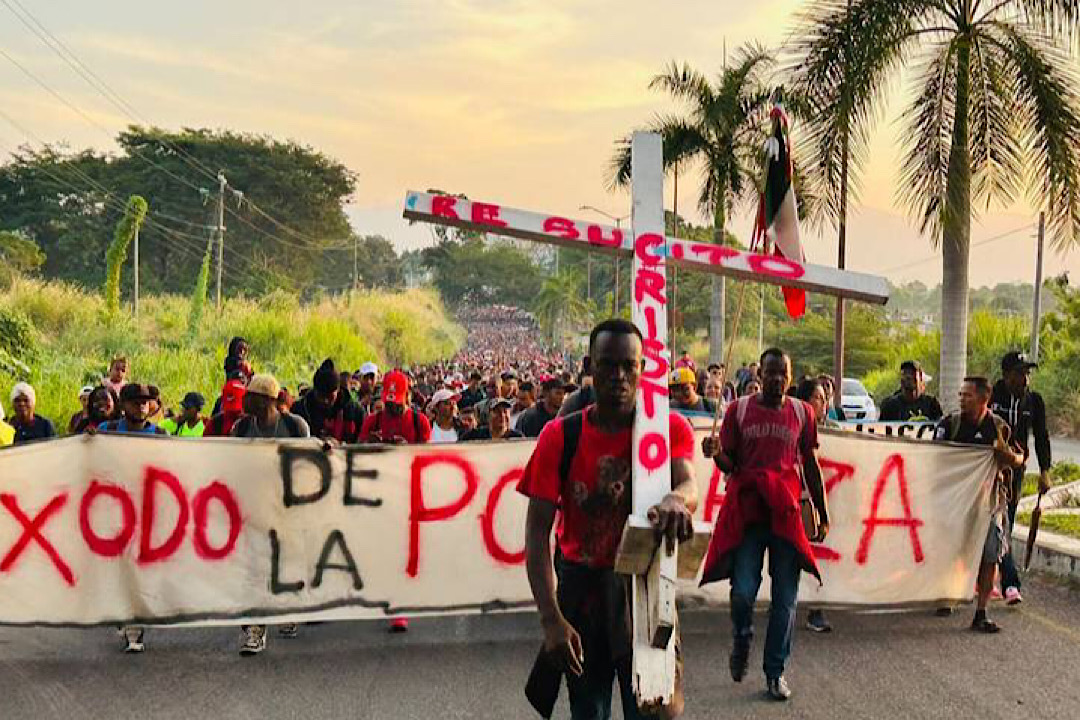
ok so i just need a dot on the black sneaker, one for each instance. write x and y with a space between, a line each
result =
133 639
288 631
254 640
778 689
985 625
740 659
816 621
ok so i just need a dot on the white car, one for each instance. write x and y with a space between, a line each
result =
856 401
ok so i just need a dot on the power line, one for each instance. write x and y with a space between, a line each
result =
65 53
980 243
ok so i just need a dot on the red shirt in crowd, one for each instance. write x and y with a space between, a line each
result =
597 498
768 439
390 426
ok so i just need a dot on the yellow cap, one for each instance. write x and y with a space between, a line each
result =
682 376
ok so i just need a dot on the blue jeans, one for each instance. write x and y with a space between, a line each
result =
1010 577
745 582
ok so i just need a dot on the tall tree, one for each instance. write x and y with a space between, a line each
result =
278 231
561 307
722 132
994 112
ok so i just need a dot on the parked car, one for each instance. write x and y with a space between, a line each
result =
856 401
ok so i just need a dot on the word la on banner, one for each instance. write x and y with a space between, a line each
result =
113 529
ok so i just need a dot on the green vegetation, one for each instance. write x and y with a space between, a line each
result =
1059 524
62 339
126 230
1062 473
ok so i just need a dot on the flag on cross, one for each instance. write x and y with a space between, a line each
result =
778 211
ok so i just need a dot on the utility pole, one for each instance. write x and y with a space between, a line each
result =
135 259
845 158
221 233
1036 316
355 263
618 226
673 322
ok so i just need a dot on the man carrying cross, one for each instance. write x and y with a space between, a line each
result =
582 466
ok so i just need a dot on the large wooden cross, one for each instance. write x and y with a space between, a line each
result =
653 568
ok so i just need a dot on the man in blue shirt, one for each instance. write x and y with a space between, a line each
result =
135 402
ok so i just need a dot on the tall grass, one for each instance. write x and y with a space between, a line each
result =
76 339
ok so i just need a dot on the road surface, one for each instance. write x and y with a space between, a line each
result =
873 666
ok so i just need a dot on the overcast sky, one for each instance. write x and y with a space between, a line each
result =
513 101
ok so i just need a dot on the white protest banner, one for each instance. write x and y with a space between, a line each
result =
111 529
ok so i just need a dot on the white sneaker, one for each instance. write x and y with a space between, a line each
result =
133 639
254 640
1013 596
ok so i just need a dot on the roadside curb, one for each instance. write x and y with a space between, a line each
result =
1055 554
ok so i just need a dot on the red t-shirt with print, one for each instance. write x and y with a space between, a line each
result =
768 439
597 498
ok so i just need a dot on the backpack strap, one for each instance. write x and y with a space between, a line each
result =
242 426
416 425
800 412
741 406
292 424
572 425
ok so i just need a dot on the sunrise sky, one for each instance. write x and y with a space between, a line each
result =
512 101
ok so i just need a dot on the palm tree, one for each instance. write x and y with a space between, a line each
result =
723 133
994 113
561 305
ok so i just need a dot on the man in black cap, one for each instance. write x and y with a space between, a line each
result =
190 422
1025 412
910 403
135 402
329 412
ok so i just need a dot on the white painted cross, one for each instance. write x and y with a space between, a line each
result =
653 569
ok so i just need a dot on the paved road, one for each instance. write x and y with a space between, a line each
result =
874 666
1062 448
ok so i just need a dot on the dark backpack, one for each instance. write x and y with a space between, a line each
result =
243 425
571 427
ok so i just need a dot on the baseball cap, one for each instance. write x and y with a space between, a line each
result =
193 400
1016 361
369 368
265 385
395 388
509 375
138 391
443 395
682 376
86 390
500 402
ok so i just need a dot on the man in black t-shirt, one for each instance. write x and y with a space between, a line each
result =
910 403
533 420
976 425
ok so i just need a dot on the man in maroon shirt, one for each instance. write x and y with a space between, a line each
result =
767 445
586 632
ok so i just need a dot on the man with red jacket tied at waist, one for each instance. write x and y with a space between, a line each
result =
767 445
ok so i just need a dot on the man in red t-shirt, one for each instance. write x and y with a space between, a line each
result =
586 633
398 423
767 446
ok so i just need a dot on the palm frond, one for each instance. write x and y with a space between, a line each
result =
1045 79
684 83
1059 18
996 153
928 130
841 62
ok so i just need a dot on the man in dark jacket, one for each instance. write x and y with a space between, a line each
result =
329 412
533 420
1025 412
910 403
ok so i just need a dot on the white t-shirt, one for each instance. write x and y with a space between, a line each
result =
438 435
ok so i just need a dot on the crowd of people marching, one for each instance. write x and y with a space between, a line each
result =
505 385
